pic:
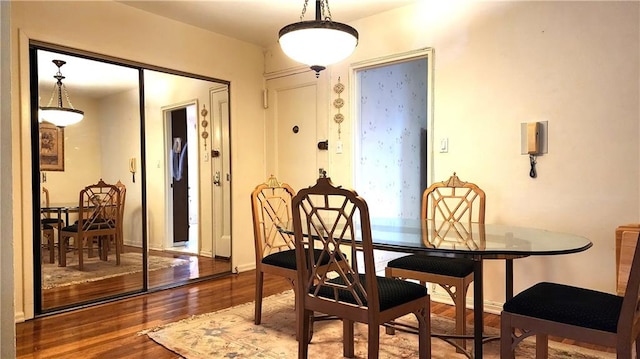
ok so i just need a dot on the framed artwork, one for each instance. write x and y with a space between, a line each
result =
51 147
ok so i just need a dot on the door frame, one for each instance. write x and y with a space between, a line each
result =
427 53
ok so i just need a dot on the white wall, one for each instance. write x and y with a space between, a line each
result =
118 30
498 64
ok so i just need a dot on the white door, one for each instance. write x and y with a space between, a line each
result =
221 172
296 122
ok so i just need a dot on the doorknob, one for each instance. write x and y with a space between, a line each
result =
216 178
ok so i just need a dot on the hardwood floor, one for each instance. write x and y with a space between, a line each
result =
63 296
110 330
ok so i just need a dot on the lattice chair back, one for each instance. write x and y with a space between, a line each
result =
271 205
330 218
99 207
452 207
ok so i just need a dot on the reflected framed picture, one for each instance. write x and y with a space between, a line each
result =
51 147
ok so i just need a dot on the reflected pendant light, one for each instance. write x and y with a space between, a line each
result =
59 115
320 42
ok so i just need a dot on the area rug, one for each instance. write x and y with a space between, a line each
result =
230 333
96 269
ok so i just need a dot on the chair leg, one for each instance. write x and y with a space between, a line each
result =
258 309
303 323
460 302
373 345
506 349
79 245
542 346
424 331
62 251
389 274
348 349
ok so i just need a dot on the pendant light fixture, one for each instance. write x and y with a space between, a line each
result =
319 42
59 115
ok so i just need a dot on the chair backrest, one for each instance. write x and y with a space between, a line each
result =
329 218
45 202
627 249
454 200
451 207
271 207
123 195
629 321
99 207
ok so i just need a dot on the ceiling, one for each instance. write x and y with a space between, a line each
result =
253 21
258 21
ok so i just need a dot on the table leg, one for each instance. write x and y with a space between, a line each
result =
478 310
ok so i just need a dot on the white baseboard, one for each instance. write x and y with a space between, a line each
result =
442 297
244 268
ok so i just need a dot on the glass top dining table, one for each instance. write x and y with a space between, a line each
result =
474 241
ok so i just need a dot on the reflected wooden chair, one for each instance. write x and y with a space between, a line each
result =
330 217
48 235
98 211
48 226
105 246
584 315
55 222
448 201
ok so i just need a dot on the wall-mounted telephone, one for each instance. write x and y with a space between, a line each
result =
533 138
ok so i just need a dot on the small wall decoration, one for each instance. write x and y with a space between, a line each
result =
51 147
338 103
204 124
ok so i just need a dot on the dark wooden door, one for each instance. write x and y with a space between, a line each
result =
180 175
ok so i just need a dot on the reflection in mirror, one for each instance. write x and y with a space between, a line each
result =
106 145
187 152
80 155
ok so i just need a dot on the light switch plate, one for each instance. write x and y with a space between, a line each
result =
444 145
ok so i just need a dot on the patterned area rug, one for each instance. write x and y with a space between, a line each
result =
230 333
95 269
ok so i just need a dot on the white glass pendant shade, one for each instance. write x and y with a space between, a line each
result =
318 43
61 116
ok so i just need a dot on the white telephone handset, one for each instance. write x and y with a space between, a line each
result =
533 138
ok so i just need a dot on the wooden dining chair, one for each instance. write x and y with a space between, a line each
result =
336 220
448 201
584 315
275 254
98 211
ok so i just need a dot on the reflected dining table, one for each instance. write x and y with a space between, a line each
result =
474 241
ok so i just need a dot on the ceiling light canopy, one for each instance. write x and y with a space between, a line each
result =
320 42
59 115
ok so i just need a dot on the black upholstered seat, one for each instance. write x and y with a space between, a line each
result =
570 305
391 292
287 259
455 267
